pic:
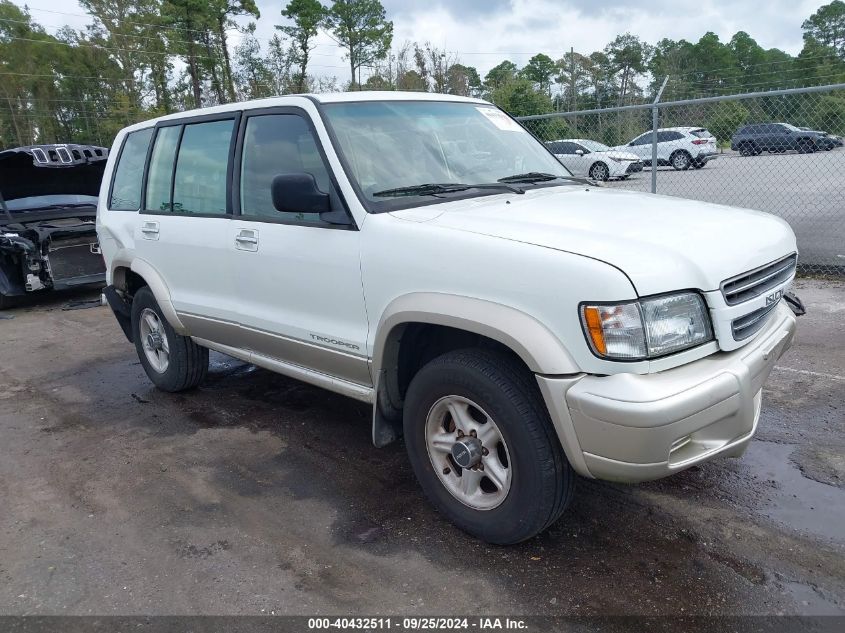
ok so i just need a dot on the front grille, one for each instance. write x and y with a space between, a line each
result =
755 282
748 325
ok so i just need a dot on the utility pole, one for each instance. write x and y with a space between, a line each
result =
572 97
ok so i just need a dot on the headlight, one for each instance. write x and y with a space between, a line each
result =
647 328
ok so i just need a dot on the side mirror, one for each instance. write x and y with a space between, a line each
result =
580 152
298 193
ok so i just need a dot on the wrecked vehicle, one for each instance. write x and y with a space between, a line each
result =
48 206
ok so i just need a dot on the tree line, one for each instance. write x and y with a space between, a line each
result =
143 58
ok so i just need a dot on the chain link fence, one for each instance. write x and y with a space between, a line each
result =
779 151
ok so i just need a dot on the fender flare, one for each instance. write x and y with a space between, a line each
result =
160 291
528 338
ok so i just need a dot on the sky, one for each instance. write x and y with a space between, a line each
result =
484 32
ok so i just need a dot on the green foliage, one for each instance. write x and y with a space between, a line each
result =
827 26
361 27
540 69
307 16
519 98
724 118
501 74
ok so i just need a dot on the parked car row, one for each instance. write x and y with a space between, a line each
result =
677 147
777 138
684 147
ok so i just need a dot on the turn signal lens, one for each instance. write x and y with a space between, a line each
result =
592 320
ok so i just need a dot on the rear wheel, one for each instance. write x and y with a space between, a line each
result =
680 160
172 362
599 171
483 448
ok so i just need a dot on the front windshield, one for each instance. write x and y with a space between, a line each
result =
393 145
49 201
594 146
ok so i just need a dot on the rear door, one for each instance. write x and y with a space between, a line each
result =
184 231
667 142
299 290
641 146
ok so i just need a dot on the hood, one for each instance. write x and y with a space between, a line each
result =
661 243
44 170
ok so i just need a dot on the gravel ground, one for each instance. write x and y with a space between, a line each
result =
804 189
258 494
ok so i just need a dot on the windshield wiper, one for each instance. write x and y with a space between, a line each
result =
540 176
531 176
433 188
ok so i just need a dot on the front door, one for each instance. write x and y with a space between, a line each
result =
298 277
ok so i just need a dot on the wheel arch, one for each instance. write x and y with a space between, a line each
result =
456 322
129 276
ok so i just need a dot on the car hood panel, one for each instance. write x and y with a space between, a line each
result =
20 177
661 243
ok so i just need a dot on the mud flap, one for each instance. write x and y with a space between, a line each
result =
122 310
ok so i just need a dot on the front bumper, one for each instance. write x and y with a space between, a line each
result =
631 428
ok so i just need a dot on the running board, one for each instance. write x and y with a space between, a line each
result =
318 379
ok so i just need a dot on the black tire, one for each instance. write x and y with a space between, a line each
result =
542 481
680 160
748 149
188 362
698 164
806 147
599 171
7 302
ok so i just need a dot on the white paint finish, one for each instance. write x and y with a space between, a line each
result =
303 282
662 244
541 254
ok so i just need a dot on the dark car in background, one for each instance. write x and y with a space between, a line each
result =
756 138
827 141
48 208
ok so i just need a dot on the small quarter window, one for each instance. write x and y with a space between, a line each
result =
160 174
129 171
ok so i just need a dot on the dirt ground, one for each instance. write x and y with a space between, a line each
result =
258 494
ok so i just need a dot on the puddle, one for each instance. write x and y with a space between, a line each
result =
800 503
810 601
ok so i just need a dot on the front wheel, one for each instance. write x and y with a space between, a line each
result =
806 147
599 171
483 448
172 362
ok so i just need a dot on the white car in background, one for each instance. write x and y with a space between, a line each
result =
584 157
677 147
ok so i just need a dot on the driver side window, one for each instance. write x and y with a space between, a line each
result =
276 144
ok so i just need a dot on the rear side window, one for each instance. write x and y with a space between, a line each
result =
276 144
129 171
201 168
160 175
198 184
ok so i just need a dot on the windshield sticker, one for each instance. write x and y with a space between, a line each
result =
500 119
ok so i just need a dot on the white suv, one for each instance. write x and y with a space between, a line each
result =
678 147
425 254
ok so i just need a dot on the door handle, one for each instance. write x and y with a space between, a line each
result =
247 240
150 230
